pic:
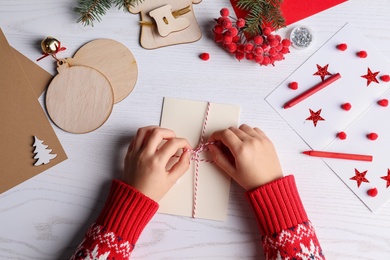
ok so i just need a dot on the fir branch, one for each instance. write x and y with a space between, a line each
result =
93 10
261 13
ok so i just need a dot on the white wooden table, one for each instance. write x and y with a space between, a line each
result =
46 216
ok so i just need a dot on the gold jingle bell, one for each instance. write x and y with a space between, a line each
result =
50 45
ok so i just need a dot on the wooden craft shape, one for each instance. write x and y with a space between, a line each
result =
43 155
114 60
166 22
150 36
79 99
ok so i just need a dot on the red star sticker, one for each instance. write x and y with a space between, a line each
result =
371 77
359 177
315 117
387 178
322 71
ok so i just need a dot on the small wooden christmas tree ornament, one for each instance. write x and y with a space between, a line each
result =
167 22
79 99
42 154
114 60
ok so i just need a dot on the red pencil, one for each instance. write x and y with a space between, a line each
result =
348 156
312 90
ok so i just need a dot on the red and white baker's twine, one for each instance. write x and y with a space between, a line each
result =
196 157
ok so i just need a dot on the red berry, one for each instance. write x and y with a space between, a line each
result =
232 47
279 56
266 61
279 47
372 136
273 42
267 31
362 54
372 192
286 43
224 12
385 78
240 23
293 85
236 39
383 102
259 59
273 51
240 56
248 47
218 29
205 56
270 37
285 50
249 56
265 46
227 39
233 31
342 46
346 106
342 135
220 20
278 37
218 38
241 48
258 40
226 23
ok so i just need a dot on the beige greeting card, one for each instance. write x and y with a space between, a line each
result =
189 119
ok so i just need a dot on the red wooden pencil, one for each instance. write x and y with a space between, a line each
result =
312 90
347 156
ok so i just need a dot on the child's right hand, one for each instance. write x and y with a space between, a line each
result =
247 155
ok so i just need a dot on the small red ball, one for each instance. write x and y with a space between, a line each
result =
372 192
232 47
233 31
286 43
227 39
249 56
342 135
259 58
346 106
362 54
240 56
224 12
258 51
293 85
226 23
385 78
342 46
273 42
267 31
248 47
258 40
218 29
372 136
383 102
205 56
240 23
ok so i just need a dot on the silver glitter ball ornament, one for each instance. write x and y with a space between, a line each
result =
301 37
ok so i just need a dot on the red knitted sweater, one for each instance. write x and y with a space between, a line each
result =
287 232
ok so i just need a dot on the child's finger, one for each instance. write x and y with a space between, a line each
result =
142 134
181 166
248 130
228 138
170 148
240 133
157 135
221 159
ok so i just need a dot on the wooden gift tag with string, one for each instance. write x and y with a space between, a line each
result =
81 97
167 22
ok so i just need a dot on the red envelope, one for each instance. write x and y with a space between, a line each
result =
295 10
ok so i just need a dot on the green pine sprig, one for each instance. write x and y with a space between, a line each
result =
261 13
93 10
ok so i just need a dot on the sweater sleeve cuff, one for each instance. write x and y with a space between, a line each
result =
126 211
277 205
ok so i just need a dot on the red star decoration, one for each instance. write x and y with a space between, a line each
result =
315 117
359 177
387 178
322 71
371 77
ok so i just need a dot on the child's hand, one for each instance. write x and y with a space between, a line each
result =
247 155
147 158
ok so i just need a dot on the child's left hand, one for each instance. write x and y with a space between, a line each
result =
146 161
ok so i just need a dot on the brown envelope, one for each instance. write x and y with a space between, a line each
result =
22 118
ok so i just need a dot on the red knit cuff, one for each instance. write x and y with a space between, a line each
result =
277 205
127 211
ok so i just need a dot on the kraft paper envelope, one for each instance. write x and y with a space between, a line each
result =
22 118
186 118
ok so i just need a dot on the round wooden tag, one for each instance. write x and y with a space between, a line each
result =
114 60
79 99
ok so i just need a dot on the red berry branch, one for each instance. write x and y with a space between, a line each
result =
265 48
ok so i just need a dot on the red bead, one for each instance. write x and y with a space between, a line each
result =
240 23
258 51
224 12
385 78
266 61
272 51
372 192
227 39
240 56
293 85
362 54
233 31
342 46
372 136
218 29
285 50
342 135
248 47
226 23
273 42
346 106
259 59
249 56
286 43
383 102
278 37
205 56
232 47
